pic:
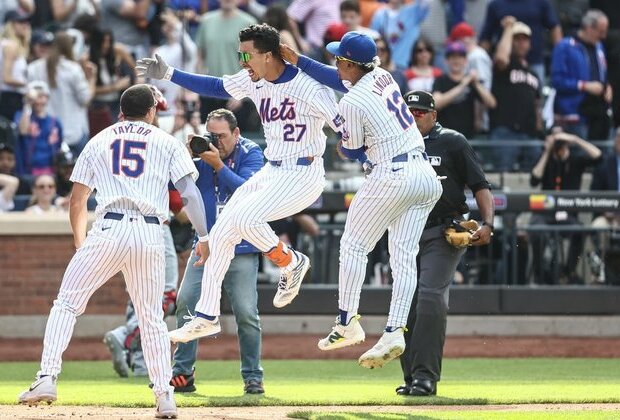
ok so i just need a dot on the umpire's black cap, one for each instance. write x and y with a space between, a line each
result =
419 99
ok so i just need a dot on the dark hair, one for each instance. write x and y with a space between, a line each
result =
266 38
96 52
224 114
276 17
85 23
62 46
421 41
136 101
350 6
387 48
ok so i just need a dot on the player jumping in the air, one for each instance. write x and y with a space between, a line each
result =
293 109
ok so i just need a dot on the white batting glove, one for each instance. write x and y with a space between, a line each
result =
155 68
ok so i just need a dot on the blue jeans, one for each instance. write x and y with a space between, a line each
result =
507 156
240 286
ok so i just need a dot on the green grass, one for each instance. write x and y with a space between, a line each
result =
322 382
461 415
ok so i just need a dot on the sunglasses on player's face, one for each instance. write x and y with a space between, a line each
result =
245 57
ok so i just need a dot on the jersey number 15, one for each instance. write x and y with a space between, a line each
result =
125 159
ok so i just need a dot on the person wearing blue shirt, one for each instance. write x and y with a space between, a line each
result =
222 170
400 25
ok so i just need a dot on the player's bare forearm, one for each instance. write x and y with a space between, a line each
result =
78 213
486 205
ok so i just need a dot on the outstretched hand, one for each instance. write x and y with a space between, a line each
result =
155 68
202 252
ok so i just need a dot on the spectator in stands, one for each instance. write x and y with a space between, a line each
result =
579 74
189 12
517 89
421 74
40 44
560 169
8 188
537 14
399 24
218 42
66 11
14 48
434 30
276 16
25 6
7 167
456 91
43 195
606 177
114 75
128 19
40 134
72 86
351 17
315 15
64 161
385 56
475 12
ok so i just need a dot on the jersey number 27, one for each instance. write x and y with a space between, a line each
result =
125 159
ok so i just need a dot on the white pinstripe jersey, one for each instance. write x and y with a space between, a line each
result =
130 164
293 113
376 116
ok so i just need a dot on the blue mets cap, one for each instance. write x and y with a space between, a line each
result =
354 46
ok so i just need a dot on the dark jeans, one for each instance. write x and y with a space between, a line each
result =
509 156
10 103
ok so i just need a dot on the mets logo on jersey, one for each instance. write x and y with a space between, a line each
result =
338 120
435 160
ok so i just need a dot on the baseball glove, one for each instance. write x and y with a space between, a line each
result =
459 233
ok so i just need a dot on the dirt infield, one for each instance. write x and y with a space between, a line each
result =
280 347
272 413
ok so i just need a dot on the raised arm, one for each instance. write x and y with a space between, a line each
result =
326 75
157 68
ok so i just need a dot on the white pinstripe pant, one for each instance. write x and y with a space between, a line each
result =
135 248
273 193
397 197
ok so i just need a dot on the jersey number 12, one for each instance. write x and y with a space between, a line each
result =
399 108
125 159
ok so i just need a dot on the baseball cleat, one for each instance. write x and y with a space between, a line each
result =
389 347
41 390
166 407
290 281
343 335
119 354
196 328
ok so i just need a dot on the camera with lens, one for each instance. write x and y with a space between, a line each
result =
199 144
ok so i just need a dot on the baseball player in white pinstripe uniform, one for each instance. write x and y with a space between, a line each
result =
129 164
397 196
293 108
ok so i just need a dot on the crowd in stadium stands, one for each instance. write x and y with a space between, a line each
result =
503 70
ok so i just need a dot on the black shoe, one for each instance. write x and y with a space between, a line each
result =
253 386
423 388
403 389
183 383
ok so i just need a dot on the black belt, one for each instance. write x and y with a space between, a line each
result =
405 157
438 221
302 161
119 216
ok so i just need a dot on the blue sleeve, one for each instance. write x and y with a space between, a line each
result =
322 73
354 154
458 11
486 34
550 19
562 74
202 84
251 163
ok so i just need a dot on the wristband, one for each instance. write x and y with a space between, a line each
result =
489 225
203 238
169 72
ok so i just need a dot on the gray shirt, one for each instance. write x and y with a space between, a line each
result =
125 29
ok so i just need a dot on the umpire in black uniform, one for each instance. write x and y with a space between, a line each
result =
454 160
